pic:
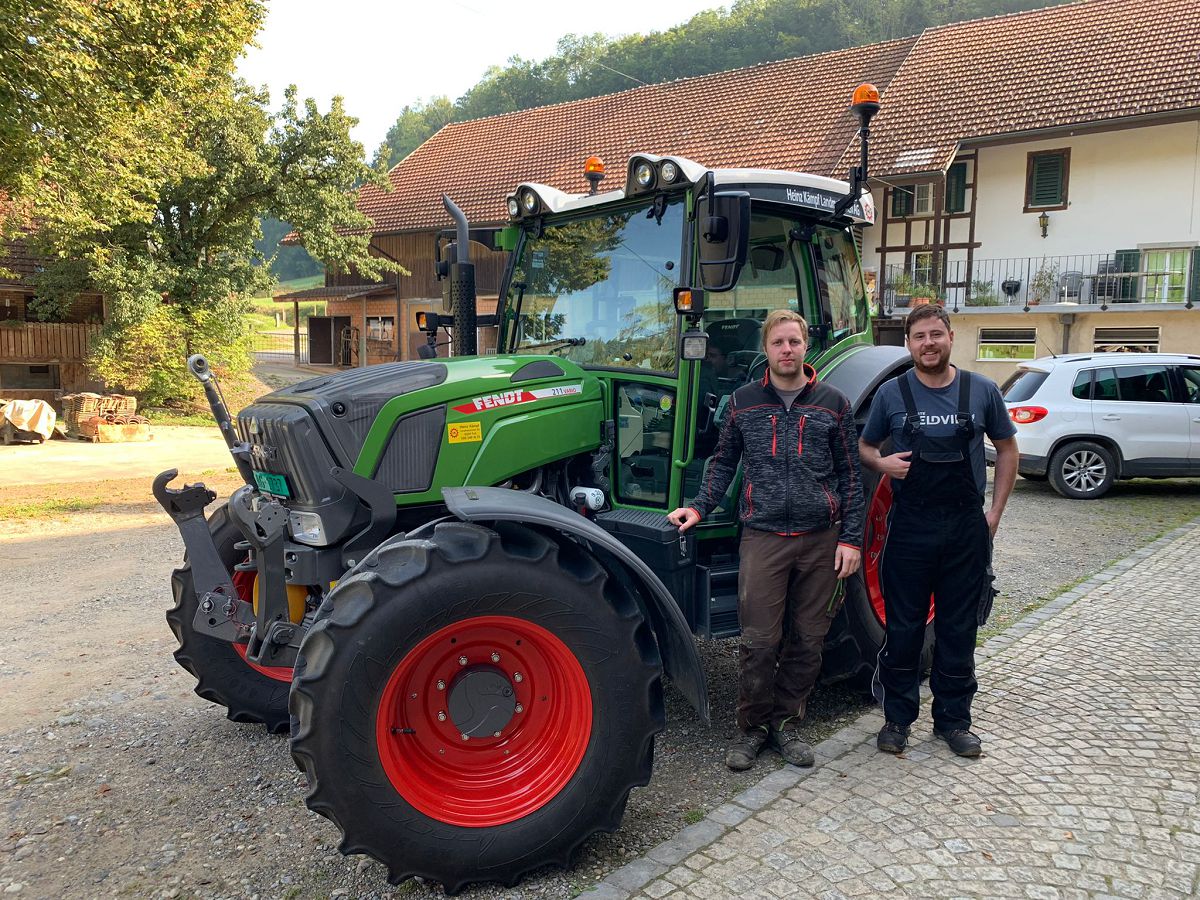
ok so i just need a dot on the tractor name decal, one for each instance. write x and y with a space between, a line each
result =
512 398
465 433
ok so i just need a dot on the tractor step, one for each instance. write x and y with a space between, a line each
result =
718 618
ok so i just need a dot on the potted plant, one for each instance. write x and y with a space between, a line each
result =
926 293
1044 284
983 293
902 286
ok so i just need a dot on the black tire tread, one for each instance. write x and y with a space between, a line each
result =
400 561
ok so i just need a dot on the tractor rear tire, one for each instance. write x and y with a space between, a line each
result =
856 635
223 676
456 783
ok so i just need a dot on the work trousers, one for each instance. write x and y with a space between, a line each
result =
785 605
942 551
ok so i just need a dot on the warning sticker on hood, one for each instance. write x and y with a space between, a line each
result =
518 396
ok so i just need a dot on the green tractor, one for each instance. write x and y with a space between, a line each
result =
452 579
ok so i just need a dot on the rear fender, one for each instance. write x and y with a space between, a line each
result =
680 658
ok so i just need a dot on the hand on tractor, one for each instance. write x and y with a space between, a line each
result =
846 560
685 517
895 465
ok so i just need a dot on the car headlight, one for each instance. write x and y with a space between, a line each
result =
307 528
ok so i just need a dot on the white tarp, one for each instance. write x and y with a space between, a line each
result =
29 415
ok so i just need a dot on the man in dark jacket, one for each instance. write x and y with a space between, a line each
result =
802 514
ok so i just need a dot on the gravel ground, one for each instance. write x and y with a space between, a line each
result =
126 783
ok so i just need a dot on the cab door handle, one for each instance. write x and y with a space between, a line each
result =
1111 417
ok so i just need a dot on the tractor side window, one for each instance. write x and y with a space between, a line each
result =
598 291
840 281
645 423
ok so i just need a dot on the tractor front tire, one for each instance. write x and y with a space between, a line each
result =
223 677
476 704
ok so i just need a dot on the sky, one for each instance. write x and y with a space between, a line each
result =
381 56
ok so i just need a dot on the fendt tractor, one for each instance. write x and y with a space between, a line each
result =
452 578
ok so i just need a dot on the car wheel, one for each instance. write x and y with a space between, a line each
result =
1082 470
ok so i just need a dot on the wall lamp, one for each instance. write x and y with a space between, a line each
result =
1043 222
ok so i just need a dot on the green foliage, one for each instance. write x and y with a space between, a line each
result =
95 99
175 285
748 33
287 263
983 293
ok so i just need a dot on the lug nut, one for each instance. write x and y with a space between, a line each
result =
441 685
495 657
462 660
466 737
495 734
441 717
518 677
520 708
412 696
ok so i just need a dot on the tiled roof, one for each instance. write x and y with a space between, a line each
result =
1076 64
16 257
785 115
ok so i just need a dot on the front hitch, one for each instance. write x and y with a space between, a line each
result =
272 638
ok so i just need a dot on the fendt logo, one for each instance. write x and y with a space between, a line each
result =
512 398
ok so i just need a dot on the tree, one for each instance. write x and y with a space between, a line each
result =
95 99
416 124
287 263
178 281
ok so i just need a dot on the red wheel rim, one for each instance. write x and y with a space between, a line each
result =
243 582
877 524
489 780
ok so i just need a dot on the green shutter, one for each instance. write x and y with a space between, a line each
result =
1046 180
902 202
1193 285
1128 261
956 188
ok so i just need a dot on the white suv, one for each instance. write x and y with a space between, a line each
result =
1086 419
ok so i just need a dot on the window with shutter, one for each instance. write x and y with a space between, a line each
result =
956 188
902 202
1046 180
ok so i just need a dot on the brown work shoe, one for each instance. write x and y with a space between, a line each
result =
793 748
743 751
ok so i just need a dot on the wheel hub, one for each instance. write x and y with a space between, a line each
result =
482 702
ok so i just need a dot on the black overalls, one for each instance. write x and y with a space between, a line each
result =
938 544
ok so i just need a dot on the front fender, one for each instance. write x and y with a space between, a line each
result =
680 659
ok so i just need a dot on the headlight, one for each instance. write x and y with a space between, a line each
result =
529 201
644 175
670 172
514 208
307 528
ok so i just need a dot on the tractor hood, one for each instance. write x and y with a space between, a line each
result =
418 426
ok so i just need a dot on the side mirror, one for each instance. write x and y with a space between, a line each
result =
724 226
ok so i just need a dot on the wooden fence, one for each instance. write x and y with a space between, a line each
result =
45 342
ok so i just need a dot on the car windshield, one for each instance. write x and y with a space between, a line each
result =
598 291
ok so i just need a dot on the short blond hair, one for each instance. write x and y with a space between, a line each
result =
778 317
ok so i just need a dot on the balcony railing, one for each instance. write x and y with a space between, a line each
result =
1098 279
38 342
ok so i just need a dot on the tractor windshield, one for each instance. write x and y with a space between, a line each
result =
597 290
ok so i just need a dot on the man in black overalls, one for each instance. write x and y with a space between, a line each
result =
939 537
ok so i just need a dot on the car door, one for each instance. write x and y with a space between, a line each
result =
1132 405
1189 381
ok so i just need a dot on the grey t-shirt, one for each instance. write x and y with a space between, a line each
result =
789 397
938 409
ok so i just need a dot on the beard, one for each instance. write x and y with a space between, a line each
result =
785 370
934 368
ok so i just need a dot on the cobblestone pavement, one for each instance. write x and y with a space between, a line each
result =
1090 714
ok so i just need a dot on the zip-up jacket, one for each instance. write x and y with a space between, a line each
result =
800 465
